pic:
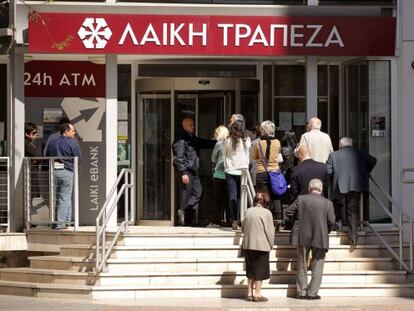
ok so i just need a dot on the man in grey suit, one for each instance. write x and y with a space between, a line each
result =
349 169
314 218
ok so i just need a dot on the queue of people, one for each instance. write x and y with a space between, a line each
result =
314 173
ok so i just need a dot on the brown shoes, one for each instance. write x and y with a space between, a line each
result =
260 299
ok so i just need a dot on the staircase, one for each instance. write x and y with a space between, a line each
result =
151 262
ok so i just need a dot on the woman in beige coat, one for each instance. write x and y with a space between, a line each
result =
259 235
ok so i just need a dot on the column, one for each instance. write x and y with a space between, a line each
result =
15 132
111 118
311 87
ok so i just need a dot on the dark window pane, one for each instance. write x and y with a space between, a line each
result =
3 106
289 80
334 105
267 92
322 80
249 108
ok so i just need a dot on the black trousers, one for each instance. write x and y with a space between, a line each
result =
233 188
350 201
189 196
216 212
263 185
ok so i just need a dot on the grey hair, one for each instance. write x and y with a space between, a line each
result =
345 142
315 185
268 128
315 123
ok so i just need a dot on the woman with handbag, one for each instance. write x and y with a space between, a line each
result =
267 156
236 151
258 240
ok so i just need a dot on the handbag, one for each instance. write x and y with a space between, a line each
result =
277 181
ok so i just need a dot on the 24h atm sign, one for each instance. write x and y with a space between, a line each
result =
211 35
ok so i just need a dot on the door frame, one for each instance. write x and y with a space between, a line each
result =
148 88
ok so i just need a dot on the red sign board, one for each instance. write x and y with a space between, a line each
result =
211 35
64 79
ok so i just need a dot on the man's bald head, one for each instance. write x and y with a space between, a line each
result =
188 125
315 123
303 153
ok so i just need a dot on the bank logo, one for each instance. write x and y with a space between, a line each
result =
94 33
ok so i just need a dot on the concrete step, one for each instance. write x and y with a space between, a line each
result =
211 251
228 291
51 240
220 265
235 238
189 278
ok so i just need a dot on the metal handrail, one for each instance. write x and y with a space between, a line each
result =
51 188
399 222
247 192
103 251
6 223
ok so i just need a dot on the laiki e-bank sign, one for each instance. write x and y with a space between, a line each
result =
211 35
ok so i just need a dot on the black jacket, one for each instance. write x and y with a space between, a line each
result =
314 218
186 149
303 173
32 148
349 168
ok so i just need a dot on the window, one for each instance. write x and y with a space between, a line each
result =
289 102
328 100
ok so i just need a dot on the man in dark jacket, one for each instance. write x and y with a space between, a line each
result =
186 151
349 168
314 218
305 171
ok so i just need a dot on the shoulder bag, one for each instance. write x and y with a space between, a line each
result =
277 181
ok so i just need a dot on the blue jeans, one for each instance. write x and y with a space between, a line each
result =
64 188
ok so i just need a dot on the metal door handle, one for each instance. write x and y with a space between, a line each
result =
404 178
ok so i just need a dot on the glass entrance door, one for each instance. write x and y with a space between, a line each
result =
367 107
208 110
162 105
155 157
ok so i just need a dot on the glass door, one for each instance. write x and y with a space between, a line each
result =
211 114
367 111
155 157
208 110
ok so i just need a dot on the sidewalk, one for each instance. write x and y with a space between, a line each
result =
15 303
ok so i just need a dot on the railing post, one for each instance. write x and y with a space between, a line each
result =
27 192
361 212
126 201
97 252
411 245
76 193
400 236
133 207
8 193
51 191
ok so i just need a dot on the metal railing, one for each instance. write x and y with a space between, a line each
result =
5 194
123 187
247 192
40 190
400 219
